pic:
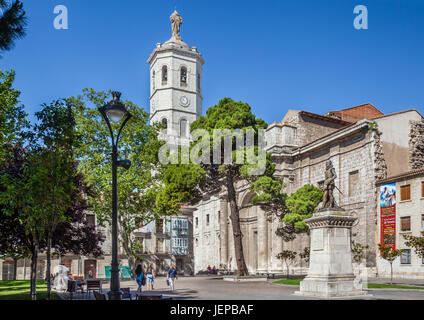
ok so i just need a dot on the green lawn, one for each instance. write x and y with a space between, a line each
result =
391 286
293 282
19 290
296 282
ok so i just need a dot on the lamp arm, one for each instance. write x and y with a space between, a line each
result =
122 126
108 125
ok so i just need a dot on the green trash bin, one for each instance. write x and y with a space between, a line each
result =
124 274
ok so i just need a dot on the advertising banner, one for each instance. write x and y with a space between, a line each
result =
388 215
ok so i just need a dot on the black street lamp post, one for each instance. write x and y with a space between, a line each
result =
115 112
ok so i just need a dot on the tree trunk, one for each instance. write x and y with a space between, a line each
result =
34 273
391 273
48 267
15 268
288 271
131 263
235 223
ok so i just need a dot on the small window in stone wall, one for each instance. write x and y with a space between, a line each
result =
405 192
207 219
422 222
159 226
183 76
405 223
353 183
164 75
405 258
159 245
197 222
183 128
422 189
91 220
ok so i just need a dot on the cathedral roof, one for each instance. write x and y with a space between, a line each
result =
354 114
412 173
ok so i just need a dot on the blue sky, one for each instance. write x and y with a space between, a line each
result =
274 55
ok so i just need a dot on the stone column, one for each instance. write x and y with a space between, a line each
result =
224 232
262 241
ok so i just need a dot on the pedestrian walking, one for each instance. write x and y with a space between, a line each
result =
172 275
139 275
150 275
209 270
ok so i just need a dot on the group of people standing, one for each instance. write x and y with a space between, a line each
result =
148 277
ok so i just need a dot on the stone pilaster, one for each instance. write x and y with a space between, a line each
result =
262 242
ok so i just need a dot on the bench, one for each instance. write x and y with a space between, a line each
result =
93 285
126 293
151 297
99 296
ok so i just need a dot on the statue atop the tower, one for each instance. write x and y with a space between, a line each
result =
176 21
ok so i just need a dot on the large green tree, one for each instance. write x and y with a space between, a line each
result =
12 115
225 162
12 23
139 186
44 190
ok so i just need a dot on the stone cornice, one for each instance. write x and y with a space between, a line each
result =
330 222
178 89
183 52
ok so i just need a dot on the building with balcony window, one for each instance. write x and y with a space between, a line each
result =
405 216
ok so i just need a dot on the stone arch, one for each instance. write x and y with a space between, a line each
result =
183 75
255 226
184 125
164 73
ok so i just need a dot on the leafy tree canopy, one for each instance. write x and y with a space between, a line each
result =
12 23
301 205
12 115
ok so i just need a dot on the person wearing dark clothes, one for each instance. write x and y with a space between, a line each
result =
172 275
139 274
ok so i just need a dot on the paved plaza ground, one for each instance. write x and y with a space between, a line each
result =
214 288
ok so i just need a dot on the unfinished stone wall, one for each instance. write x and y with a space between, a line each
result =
416 145
380 170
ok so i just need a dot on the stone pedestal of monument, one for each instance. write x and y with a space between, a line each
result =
330 273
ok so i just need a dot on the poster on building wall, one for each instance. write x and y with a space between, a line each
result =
388 215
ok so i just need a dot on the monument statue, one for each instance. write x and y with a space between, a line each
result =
330 272
176 22
328 200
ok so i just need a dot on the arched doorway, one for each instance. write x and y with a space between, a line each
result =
250 235
90 265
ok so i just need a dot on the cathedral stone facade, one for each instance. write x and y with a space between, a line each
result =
364 146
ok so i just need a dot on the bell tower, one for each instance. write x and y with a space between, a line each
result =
175 85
